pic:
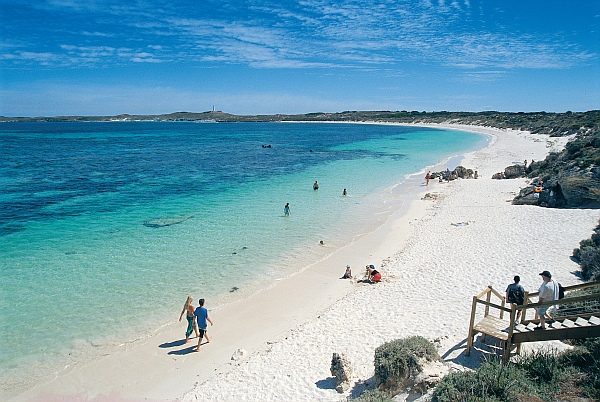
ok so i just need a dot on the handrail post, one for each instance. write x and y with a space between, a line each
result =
471 325
501 310
487 299
525 303
511 327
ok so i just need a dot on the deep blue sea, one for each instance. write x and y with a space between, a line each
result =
105 228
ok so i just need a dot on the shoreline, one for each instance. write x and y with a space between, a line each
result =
470 236
120 374
82 377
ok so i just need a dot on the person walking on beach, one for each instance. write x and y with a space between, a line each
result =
188 308
516 294
427 177
316 185
286 209
201 314
548 292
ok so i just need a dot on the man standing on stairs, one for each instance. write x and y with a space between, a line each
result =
548 292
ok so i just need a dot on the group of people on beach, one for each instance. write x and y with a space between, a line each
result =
197 319
371 274
549 291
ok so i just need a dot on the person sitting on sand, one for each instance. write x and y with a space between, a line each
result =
348 273
201 314
188 308
372 274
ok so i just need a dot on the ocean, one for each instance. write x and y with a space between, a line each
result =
105 228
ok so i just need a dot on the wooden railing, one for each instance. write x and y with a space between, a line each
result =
566 308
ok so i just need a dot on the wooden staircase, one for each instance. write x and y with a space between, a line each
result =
575 316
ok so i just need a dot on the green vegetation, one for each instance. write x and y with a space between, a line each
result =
541 376
375 395
395 361
588 256
556 124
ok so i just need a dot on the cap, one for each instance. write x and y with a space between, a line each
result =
546 274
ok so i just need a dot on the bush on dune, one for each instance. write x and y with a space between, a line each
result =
588 256
491 382
397 360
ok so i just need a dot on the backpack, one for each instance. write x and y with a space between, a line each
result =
516 295
561 292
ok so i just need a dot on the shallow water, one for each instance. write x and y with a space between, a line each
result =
106 227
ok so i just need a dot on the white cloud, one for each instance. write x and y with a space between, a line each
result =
310 34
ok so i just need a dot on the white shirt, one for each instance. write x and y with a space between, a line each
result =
548 291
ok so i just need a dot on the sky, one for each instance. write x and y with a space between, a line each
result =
105 57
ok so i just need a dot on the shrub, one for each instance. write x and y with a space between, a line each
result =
545 369
395 361
374 395
492 382
588 256
586 358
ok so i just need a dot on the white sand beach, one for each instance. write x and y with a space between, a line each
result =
431 269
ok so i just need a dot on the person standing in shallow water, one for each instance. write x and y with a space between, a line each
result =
316 185
201 314
344 192
286 209
188 308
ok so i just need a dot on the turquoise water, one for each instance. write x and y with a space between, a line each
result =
106 227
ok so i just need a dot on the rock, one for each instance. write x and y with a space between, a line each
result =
527 196
428 378
579 190
342 371
514 171
238 354
498 176
461 172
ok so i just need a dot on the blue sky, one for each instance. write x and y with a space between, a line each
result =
98 57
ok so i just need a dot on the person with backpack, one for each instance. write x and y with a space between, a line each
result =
549 291
515 293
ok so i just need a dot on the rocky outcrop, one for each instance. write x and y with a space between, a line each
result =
342 371
514 171
564 191
571 177
460 172
510 172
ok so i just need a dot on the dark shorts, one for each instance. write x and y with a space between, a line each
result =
201 332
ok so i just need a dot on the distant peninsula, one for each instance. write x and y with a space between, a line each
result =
555 124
